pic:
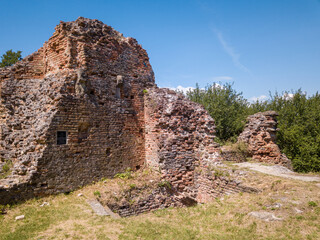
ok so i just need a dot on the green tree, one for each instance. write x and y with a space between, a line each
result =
299 124
298 121
227 107
10 58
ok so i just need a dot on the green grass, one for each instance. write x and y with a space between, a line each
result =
70 217
6 169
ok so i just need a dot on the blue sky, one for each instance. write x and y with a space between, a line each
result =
260 45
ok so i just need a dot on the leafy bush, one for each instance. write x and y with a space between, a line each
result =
227 107
298 120
6 167
240 147
299 124
2 209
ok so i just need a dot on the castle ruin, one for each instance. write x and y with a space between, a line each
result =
85 106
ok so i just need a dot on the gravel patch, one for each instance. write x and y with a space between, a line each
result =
279 171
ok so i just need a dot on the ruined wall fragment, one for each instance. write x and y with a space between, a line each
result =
70 85
180 143
260 136
85 106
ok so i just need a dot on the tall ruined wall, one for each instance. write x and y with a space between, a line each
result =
260 136
88 81
180 142
96 89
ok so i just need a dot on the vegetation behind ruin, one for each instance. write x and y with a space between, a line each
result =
298 120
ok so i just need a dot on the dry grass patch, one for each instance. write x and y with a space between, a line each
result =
70 217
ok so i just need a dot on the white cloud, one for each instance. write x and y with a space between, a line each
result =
288 96
186 89
182 89
222 78
232 53
260 98
217 85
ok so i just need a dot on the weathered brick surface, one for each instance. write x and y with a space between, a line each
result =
71 84
159 198
229 154
98 86
180 143
260 136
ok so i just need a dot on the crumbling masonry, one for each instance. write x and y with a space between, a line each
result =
260 136
85 106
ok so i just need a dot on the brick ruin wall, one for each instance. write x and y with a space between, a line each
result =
260 136
180 143
87 80
98 86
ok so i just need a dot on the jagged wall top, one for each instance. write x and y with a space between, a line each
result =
85 43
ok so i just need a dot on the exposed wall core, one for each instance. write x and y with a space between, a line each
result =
260 136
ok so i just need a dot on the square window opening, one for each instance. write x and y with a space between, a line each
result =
61 137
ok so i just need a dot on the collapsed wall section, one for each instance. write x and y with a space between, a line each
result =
179 138
260 136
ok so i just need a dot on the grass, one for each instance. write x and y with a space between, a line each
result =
126 175
6 169
70 217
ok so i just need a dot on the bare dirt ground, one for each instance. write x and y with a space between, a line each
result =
277 170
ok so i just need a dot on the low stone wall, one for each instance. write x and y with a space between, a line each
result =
160 198
209 185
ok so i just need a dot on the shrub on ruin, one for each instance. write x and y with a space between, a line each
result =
126 175
5 169
165 184
240 147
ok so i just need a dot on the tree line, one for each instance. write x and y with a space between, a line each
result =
298 120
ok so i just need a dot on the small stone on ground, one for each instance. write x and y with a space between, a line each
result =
45 204
97 208
19 217
265 216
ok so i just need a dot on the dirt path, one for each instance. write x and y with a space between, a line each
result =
278 170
